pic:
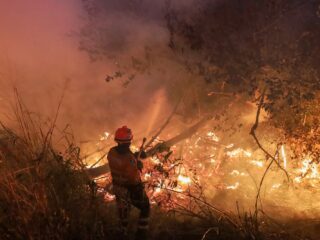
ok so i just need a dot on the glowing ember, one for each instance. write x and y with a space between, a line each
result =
257 163
305 166
147 176
184 180
233 187
105 136
276 186
309 170
109 197
239 152
213 136
298 179
155 160
230 145
134 148
235 173
314 171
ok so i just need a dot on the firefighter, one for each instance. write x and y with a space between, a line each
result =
127 185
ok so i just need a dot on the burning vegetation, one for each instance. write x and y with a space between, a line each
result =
237 158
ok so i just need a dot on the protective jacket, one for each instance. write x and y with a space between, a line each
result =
124 167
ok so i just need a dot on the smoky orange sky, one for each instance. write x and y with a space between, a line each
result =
39 55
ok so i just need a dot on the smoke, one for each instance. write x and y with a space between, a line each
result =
39 54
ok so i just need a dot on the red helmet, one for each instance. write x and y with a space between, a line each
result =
123 135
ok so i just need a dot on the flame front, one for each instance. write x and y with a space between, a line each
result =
217 168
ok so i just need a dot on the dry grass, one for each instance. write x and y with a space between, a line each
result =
43 195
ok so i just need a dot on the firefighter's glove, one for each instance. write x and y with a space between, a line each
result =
140 165
143 154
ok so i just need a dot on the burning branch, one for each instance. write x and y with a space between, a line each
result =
98 171
184 135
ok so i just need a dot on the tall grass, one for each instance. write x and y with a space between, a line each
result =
43 194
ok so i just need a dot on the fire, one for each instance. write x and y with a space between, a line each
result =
235 173
257 163
105 136
276 186
147 176
109 197
234 186
203 161
305 167
309 171
184 180
134 148
314 171
155 160
212 136
239 152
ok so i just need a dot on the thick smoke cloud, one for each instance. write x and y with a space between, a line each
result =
39 54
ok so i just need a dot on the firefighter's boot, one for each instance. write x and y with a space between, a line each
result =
123 233
143 229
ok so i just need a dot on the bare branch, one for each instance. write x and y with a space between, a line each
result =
254 128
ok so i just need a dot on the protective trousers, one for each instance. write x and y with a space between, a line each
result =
136 196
